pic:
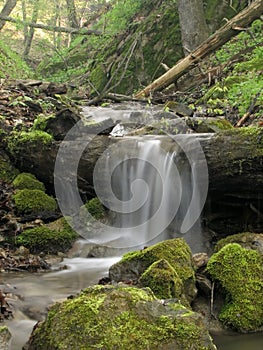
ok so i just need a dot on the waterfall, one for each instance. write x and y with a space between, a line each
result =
153 193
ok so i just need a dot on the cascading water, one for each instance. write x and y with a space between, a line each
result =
150 191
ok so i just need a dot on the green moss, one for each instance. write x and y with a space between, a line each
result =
95 208
98 78
40 123
33 201
175 251
163 281
48 240
19 140
7 171
108 317
240 272
28 181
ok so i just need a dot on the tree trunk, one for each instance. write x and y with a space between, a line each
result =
72 14
193 26
7 9
219 38
30 33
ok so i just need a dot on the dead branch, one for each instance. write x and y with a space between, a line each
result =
81 31
249 112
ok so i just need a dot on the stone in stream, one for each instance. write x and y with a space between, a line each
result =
120 317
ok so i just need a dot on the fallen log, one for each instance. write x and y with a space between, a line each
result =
215 41
81 31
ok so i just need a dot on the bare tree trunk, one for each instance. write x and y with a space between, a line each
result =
29 37
194 29
7 9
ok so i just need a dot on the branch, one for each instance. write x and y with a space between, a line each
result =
219 38
81 31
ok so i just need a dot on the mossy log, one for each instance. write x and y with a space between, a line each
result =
234 159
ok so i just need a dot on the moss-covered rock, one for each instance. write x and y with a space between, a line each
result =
28 181
248 240
19 141
7 171
52 238
208 125
163 281
240 273
95 208
108 317
175 251
33 202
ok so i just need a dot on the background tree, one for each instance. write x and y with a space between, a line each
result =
7 9
30 33
194 29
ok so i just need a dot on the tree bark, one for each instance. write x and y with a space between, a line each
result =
7 9
72 15
194 29
219 38
81 31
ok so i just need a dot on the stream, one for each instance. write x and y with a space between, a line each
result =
40 290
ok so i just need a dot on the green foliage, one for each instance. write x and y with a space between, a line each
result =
44 239
243 84
33 201
11 64
240 272
28 181
95 208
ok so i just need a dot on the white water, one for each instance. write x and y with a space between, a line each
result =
150 193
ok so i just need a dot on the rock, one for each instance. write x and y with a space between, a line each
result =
5 337
120 317
200 260
27 181
208 124
175 251
240 273
163 281
248 240
204 285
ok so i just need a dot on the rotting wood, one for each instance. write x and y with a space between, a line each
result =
219 38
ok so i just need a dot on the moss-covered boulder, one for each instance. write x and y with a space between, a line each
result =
240 272
108 317
208 125
247 240
163 281
52 238
175 251
33 202
28 181
7 170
